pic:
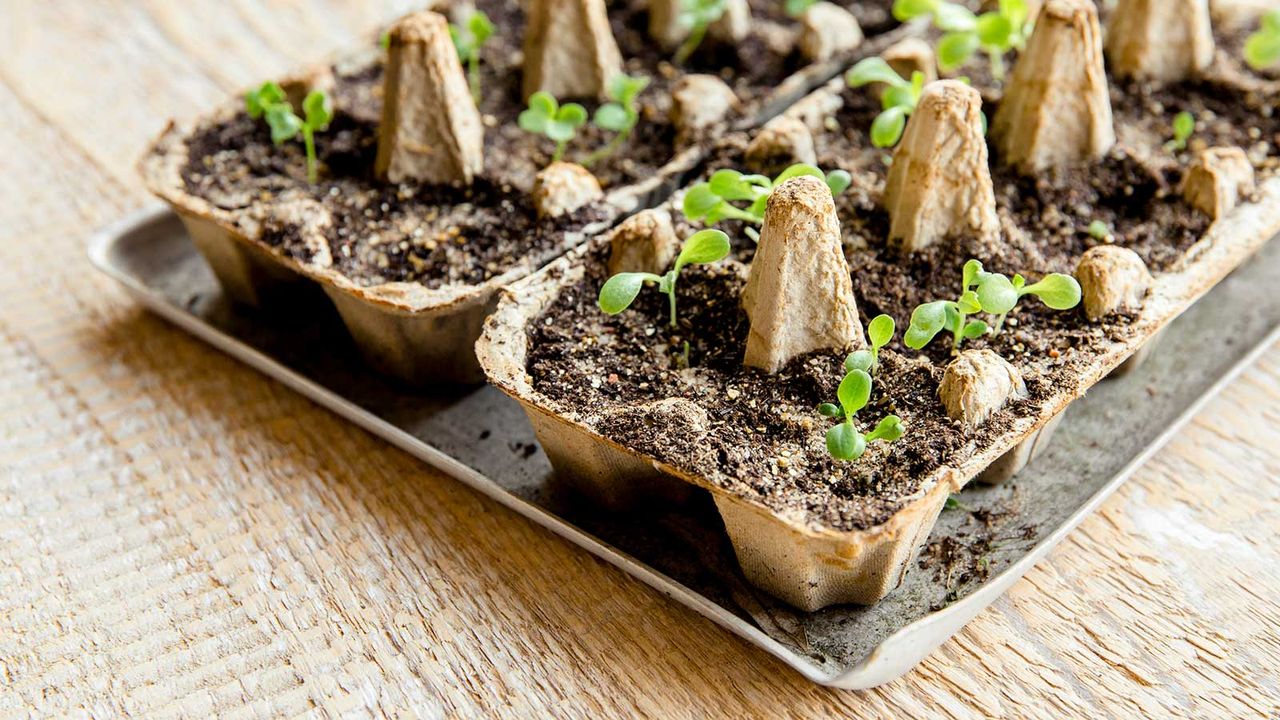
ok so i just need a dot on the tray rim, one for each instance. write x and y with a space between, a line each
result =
896 654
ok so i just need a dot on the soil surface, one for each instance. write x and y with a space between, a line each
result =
760 434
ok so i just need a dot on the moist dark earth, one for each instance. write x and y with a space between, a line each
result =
760 434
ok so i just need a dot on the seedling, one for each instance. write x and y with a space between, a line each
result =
985 292
1184 124
879 332
697 16
898 100
1098 230
269 102
558 123
620 115
929 319
796 8
844 441
702 248
712 201
1262 48
995 33
469 37
999 294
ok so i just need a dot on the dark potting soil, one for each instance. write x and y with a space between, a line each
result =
760 435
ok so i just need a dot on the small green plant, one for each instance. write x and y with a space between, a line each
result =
1098 230
270 102
558 123
1184 124
712 201
897 101
697 16
796 8
621 114
468 38
879 332
1262 48
990 293
844 441
994 33
702 248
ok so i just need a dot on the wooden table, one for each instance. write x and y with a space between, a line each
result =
180 536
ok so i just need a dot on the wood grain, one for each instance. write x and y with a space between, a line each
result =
181 537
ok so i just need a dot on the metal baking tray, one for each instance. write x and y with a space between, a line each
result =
481 437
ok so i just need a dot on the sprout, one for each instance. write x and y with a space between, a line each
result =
1184 124
697 16
702 248
986 292
1098 230
1262 49
620 115
844 442
796 8
712 201
270 102
995 33
556 122
898 99
468 38
879 332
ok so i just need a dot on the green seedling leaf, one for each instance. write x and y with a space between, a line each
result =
1058 291
612 116
284 124
880 331
926 322
955 49
1098 230
830 410
844 442
904 10
1184 124
969 303
257 101
1262 48
541 111
859 360
952 18
481 27
996 293
798 170
974 329
621 290
887 128
874 69
568 119
838 181
317 109
888 429
995 30
969 274
702 248
700 201
854 391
